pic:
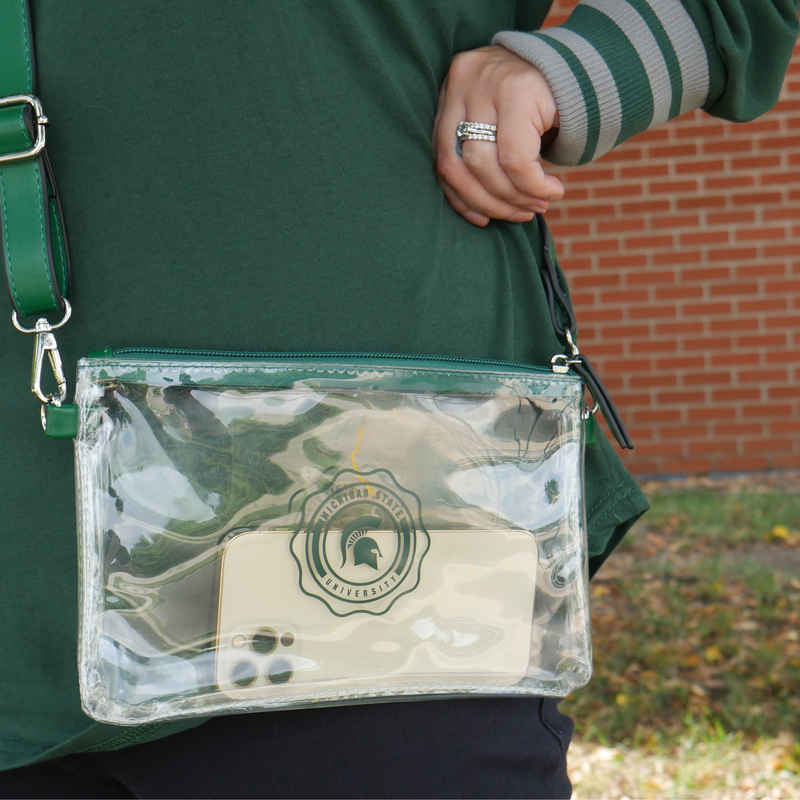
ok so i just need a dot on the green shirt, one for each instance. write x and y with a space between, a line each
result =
247 176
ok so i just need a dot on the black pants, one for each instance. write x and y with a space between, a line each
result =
492 747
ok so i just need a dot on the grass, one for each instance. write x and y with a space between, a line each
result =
697 634
707 763
730 518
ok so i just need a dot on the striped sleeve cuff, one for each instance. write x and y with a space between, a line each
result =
616 68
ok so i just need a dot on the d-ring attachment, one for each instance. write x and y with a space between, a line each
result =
43 411
42 324
588 413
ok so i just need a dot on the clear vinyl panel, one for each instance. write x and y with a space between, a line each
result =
263 534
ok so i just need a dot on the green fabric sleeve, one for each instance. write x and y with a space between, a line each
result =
613 504
619 67
749 44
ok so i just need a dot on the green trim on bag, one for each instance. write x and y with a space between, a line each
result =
61 422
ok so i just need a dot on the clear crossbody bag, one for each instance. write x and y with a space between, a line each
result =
265 531
270 533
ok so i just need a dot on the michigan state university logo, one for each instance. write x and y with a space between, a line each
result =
360 543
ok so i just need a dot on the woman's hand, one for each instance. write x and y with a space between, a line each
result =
488 180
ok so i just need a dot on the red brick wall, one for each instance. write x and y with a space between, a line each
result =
682 247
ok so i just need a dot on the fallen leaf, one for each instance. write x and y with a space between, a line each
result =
713 654
779 532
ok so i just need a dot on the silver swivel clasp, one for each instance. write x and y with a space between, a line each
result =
573 348
45 344
561 363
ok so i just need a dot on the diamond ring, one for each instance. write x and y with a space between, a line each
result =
479 131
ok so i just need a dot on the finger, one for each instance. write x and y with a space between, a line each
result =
475 217
460 207
468 187
518 145
482 160
452 171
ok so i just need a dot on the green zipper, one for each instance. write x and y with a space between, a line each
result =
232 354
62 422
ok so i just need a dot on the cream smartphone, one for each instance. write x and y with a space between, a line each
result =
462 619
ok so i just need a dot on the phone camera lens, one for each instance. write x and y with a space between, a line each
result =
264 641
287 640
243 674
280 671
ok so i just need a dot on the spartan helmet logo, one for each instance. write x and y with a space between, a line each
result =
360 542
365 548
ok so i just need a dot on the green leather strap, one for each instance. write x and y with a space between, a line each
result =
33 247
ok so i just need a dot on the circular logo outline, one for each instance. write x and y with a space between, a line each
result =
319 578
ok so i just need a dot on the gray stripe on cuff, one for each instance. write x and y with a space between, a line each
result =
632 24
568 146
689 49
605 86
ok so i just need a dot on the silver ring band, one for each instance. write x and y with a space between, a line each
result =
476 131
